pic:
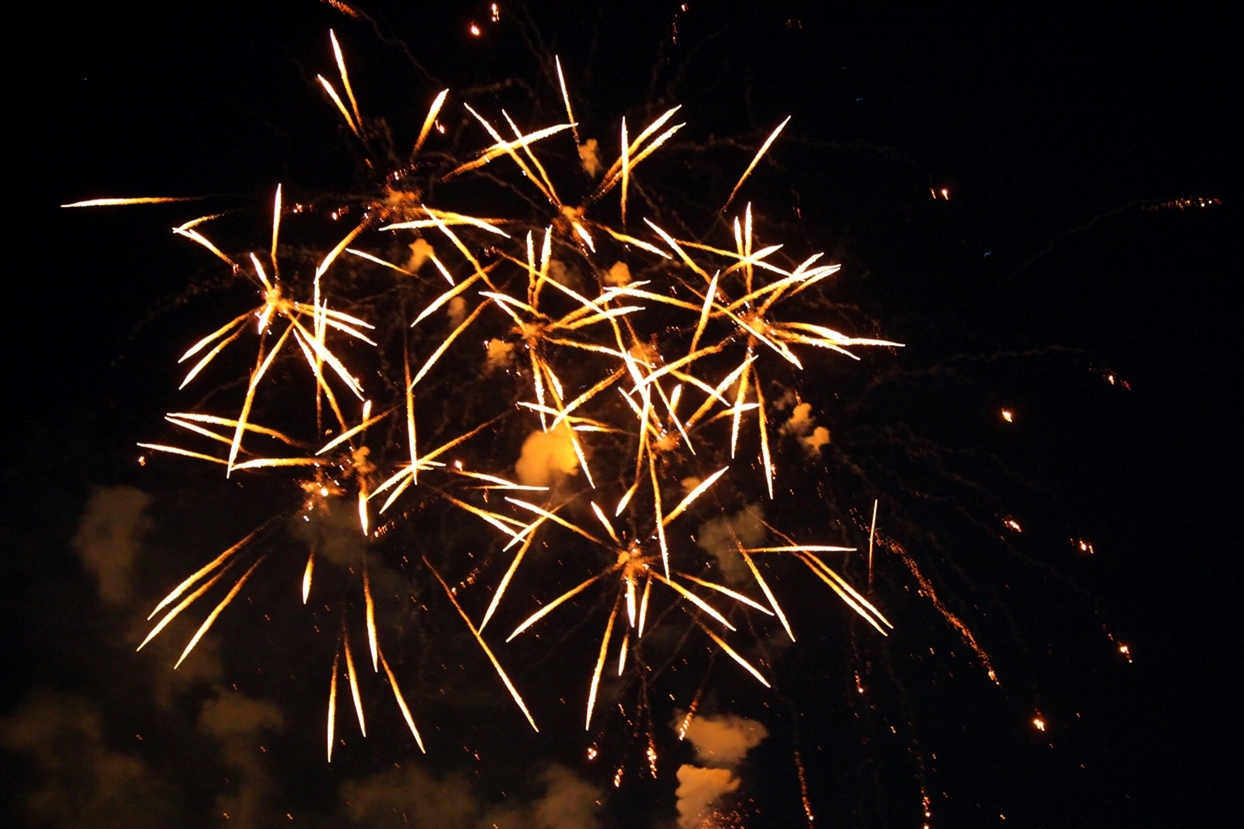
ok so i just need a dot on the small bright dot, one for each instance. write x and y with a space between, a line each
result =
1008 415
945 194
474 30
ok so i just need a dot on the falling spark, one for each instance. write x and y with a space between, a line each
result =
332 705
401 703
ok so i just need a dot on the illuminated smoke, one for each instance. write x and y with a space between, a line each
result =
717 536
238 723
547 457
108 538
721 744
802 426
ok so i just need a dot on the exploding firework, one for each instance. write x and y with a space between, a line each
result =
595 337
531 340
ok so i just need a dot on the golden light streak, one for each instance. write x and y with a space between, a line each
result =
410 419
490 517
626 170
345 113
739 400
207 623
365 255
276 230
207 568
726 591
363 518
759 154
446 343
118 202
651 129
173 450
872 532
186 602
306 576
256 376
554 518
446 217
682 254
219 332
345 77
211 355
349 433
600 664
548 608
433 111
509 574
764 588
498 482
605 522
371 618
763 419
484 645
401 703
846 592
709 297
643 604
354 684
202 240
639 243
446 297
694 494
733 654
656 494
622 653
332 703
561 82
694 599
341 246
535 162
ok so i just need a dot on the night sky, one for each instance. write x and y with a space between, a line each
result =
1037 202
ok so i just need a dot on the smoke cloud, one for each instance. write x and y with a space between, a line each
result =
78 779
721 744
108 538
717 535
236 722
413 798
547 456
589 157
618 274
802 426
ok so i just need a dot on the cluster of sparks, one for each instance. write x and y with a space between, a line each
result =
645 380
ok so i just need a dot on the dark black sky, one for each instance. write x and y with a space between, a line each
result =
1064 139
